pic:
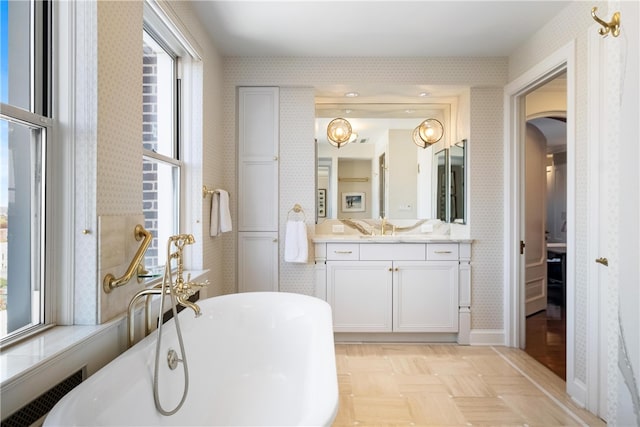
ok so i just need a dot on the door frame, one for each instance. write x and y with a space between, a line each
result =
557 62
597 295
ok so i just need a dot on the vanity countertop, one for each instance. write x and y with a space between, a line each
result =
387 238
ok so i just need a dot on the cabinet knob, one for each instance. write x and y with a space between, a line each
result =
275 240
275 158
390 269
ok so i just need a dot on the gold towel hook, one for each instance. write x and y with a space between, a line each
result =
613 26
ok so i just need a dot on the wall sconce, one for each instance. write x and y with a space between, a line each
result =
339 132
428 133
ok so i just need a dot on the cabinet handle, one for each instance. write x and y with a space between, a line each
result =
441 252
342 252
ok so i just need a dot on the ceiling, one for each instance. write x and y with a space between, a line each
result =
418 28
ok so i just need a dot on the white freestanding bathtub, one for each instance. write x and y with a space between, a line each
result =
258 359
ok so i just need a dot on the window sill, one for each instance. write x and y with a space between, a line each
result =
20 359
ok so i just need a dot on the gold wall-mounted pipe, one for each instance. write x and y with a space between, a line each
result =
110 282
612 27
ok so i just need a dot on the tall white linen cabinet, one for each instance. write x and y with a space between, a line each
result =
258 143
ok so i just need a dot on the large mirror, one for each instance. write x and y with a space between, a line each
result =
382 172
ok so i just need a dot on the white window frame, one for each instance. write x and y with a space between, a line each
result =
39 116
164 34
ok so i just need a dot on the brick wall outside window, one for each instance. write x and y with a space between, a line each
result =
149 140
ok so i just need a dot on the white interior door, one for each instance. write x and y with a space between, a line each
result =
535 221
625 229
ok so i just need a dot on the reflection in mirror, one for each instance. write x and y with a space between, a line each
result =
457 164
441 164
449 167
382 162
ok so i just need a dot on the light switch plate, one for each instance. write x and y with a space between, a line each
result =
337 228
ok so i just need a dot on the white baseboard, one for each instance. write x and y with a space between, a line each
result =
486 337
577 389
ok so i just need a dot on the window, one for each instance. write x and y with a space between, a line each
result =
25 147
161 162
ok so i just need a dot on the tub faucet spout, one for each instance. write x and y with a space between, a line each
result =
193 306
185 289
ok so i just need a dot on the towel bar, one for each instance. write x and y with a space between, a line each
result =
206 191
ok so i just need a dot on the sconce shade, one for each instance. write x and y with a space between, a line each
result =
338 132
428 132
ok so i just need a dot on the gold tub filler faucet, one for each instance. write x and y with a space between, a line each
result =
179 293
180 289
183 290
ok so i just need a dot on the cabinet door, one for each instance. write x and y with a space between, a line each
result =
258 144
425 295
360 295
257 261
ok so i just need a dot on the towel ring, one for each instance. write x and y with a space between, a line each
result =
297 209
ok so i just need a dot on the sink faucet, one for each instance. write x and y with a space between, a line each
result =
383 224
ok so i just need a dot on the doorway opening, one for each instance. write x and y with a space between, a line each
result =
560 62
546 225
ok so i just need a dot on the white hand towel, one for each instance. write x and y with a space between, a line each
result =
214 229
220 214
225 214
296 246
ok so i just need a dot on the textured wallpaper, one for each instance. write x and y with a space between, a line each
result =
108 131
486 192
297 124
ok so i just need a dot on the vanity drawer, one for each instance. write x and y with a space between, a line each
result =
392 251
442 252
343 251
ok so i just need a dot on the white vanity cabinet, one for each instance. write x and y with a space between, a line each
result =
360 294
396 288
425 296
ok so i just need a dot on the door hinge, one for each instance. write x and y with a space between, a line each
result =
522 245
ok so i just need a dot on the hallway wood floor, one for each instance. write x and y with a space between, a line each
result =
547 339
420 384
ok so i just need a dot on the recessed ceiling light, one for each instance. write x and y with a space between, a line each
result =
423 94
351 94
347 111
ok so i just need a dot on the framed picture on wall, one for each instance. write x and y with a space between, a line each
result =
353 202
322 203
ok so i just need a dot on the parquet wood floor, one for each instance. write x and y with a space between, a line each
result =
449 385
